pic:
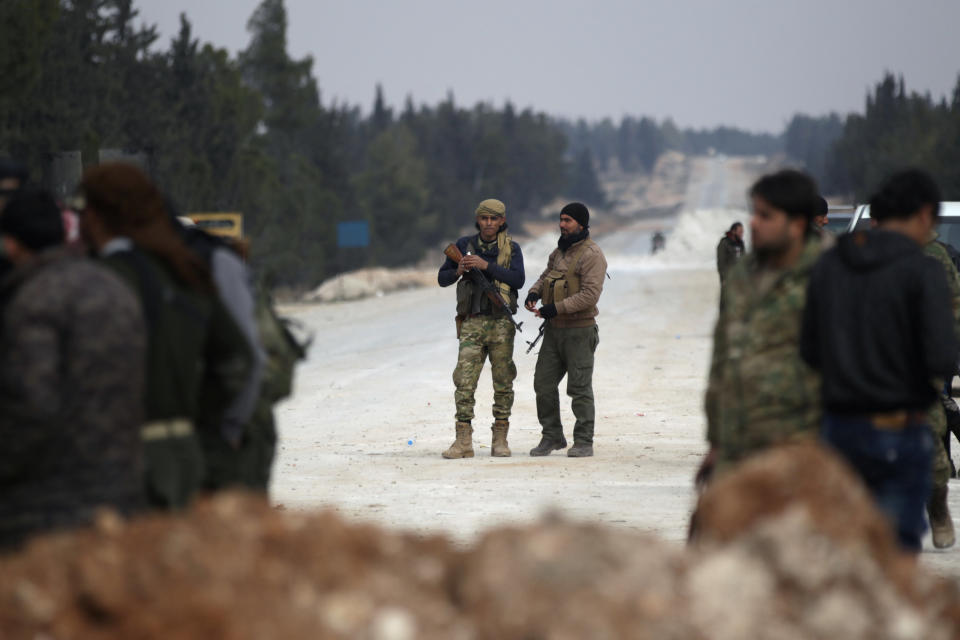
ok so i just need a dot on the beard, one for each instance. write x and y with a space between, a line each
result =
771 250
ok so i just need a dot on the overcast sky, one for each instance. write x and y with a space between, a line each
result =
747 63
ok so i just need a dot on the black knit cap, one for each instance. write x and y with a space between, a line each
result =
32 217
822 207
578 212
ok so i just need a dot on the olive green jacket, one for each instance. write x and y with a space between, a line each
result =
728 254
193 344
760 391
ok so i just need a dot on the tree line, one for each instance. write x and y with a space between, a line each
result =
850 156
637 142
251 133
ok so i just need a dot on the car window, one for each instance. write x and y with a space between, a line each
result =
838 223
949 231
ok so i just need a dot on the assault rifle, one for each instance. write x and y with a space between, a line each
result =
496 298
534 342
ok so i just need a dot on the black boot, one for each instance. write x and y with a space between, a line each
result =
580 450
548 445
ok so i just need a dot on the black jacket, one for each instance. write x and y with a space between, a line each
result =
878 324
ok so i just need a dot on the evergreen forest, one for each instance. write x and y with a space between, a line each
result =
253 133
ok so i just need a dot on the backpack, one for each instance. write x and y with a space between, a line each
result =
278 336
282 347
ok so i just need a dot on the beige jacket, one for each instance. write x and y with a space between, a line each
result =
580 309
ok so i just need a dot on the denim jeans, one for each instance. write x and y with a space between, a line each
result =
894 463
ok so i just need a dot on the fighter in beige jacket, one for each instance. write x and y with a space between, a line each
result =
569 289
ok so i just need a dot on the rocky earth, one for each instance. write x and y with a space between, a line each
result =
788 547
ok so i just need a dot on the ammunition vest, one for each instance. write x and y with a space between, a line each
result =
559 285
471 300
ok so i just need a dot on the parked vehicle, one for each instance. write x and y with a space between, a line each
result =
949 227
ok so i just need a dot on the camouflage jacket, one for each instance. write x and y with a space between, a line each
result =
71 380
939 253
760 391
936 415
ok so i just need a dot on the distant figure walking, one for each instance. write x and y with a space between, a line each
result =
730 249
659 242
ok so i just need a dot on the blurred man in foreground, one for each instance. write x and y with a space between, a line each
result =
192 341
879 326
760 392
71 379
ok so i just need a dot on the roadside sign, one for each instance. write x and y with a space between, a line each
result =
353 234
229 225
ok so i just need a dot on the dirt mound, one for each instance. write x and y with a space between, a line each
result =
804 474
234 568
366 283
557 580
801 510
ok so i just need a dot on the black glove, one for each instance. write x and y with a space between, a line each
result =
533 296
548 311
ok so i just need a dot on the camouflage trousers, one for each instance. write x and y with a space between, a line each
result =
941 463
481 337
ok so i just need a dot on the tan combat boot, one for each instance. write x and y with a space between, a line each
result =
462 447
941 523
499 448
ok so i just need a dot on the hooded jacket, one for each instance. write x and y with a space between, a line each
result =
878 324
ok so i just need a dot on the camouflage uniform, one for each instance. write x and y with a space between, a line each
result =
936 414
484 329
480 337
760 391
71 381
484 332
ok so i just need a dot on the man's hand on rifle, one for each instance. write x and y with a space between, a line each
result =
473 262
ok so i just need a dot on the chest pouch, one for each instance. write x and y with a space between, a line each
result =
560 285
